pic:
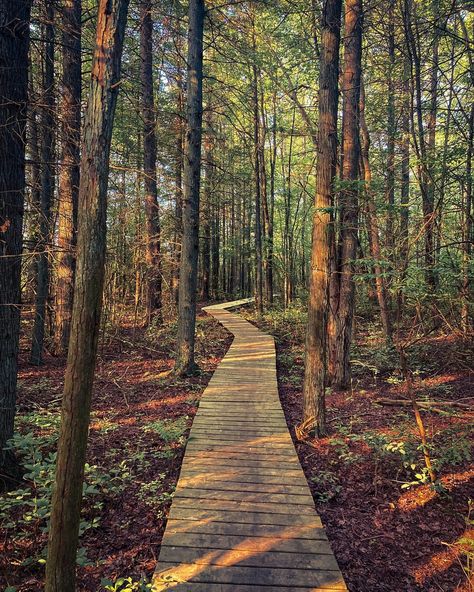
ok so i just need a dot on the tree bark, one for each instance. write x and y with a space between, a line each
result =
69 172
152 214
178 179
343 310
206 215
258 182
47 189
405 188
14 43
66 504
391 130
466 281
192 176
318 304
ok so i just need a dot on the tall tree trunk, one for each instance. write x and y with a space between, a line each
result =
47 189
207 213
380 284
153 257
341 325
69 171
215 248
66 504
466 287
424 142
178 176
192 176
318 304
429 212
391 129
267 219
466 270
405 188
258 183
14 43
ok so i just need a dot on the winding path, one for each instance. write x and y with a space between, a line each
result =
243 518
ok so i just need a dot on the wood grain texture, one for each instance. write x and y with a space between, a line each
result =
243 517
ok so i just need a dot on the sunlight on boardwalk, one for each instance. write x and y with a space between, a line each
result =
243 518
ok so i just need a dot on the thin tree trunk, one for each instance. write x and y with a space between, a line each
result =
258 183
380 285
66 504
192 176
341 327
466 288
69 172
47 190
405 188
429 202
215 246
153 232
207 213
391 129
316 331
14 43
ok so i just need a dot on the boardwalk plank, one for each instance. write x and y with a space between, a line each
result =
242 517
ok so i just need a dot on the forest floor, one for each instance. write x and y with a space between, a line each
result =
141 415
390 531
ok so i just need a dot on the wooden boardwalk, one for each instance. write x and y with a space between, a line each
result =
243 518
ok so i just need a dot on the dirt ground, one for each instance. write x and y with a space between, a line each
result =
389 531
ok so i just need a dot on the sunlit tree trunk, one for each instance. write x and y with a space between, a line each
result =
343 310
192 176
75 412
14 42
153 231
318 304
69 172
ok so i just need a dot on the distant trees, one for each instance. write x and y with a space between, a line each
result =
14 44
94 173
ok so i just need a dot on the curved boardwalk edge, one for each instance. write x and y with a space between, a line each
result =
243 518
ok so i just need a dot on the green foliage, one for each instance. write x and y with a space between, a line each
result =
169 430
27 508
328 485
126 584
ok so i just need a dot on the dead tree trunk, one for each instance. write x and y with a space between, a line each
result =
314 409
47 190
66 504
69 172
192 176
153 257
14 42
